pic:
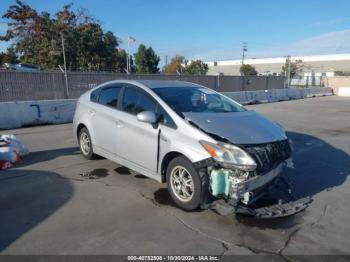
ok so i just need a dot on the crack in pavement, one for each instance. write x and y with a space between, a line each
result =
225 244
286 244
320 217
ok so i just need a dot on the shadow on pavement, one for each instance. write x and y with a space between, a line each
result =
318 165
27 197
46 155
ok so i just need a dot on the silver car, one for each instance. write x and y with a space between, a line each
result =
204 145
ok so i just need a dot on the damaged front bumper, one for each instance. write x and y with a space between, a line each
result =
235 185
240 192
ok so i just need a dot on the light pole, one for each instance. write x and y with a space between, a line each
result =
287 70
64 65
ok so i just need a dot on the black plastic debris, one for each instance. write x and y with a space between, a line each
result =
276 210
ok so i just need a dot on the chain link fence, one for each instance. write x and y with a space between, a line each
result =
20 86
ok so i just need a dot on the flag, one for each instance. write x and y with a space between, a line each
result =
131 40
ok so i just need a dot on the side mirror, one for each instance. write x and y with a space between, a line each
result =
147 117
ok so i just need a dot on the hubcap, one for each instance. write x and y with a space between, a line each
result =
85 143
182 183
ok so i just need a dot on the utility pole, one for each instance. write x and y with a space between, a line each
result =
244 49
64 65
166 60
287 70
288 84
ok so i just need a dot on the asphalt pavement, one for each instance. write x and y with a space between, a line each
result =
56 202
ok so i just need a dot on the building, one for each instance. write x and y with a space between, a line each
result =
317 65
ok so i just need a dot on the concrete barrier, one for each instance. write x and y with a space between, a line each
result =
275 95
344 91
28 113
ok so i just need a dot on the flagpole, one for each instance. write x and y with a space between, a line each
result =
128 58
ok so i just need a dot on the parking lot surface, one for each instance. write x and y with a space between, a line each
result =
56 202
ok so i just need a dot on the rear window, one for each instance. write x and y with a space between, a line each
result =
109 96
94 95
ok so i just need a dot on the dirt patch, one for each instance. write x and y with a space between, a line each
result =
95 174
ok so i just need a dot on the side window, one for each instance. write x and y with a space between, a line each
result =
164 118
109 96
136 101
94 95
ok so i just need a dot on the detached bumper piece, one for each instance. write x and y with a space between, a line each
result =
275 211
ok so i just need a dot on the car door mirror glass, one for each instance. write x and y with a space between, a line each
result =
147 117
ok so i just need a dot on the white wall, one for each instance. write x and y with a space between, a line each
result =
24 113
18 114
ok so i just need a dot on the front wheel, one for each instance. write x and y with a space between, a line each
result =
184 183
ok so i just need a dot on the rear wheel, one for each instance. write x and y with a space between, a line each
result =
85 144
184 183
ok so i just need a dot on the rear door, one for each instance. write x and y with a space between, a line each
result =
137 141
104 118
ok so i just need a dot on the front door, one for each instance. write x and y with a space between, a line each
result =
137 141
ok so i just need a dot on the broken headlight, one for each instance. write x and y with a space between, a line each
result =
230 155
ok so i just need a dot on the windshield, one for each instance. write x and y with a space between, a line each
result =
196 99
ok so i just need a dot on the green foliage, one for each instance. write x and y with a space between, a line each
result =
8 57
196 67
38 38
179 65
248 70
296 68
176 65
146 60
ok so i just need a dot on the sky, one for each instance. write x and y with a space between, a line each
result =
215 30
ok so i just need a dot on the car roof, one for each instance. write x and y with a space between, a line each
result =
166 83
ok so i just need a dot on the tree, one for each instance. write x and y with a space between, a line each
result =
38 38
196 67
295 68
120 62
176 65
146 60
9 57
248 70
179 65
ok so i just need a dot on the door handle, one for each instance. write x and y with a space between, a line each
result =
119 123
92 112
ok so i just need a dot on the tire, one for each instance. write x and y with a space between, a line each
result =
179 190
86 150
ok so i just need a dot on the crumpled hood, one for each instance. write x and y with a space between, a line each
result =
247 127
